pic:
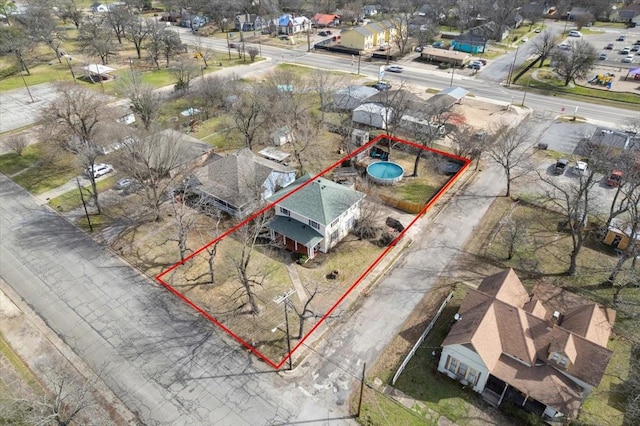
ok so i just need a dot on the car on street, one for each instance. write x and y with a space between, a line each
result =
382 86
625 50
98 170
537 30
564 46
635 47
324 33
628 59
561 166
233 45
603 57
580 168
394 68
621 37
575 33
476 65
609 46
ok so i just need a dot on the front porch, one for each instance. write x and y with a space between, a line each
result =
497 391
295 236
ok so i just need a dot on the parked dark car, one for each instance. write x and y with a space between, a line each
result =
609 46
323 33
561 166
382 86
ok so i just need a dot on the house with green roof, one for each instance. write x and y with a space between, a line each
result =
313 215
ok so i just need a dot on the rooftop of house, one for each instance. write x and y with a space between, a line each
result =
532 341
358 92
318 199
324 18
237 178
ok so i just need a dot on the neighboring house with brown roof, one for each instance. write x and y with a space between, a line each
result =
325 20
313 215
545 352
236 183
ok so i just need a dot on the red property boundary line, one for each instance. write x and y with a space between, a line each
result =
160 277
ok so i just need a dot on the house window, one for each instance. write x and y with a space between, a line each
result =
555 357
462 370
473 376
563 362
334 235
284 211
335 222
453 365
314 225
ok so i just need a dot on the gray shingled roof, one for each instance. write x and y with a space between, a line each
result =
321 200
237 178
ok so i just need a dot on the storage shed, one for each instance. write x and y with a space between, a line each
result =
374 115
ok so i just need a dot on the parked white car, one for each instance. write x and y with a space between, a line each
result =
99 170
575 33
628 59
580 168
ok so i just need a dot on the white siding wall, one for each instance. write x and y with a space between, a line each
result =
468 357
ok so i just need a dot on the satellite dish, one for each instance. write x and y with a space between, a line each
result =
457 317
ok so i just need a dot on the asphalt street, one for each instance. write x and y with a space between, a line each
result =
162 360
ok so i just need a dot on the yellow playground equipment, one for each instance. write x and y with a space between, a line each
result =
603 79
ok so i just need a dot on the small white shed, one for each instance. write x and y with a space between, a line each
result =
282 136
374 115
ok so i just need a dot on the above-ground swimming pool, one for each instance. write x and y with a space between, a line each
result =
385 172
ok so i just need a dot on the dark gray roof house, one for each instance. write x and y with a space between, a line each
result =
236 183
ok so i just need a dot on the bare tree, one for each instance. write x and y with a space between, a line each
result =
184 71
631 228
514 233
249 278
574 200
41 26
118 18
324 83
575 62
202 52
7 8
253 52
154 44
469 143
136 31
68 10
305 311
249 113
542 45
15 41
67 399
170 44
145 102
185 219
510 150
17 143
368 224
80 120
154 160
96 38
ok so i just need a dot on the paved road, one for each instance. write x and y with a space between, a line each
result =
159 358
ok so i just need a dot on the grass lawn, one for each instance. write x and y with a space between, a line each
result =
12 163
39 74
417 191
71 200
550 84
47 174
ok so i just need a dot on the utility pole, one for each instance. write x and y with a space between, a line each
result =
26 85
453 70
285 300
359 56
364 369
84 204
